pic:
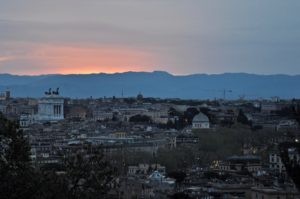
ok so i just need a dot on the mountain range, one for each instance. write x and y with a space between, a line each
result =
155 84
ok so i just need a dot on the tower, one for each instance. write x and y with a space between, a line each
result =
7 94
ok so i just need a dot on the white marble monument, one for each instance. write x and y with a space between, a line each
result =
51 107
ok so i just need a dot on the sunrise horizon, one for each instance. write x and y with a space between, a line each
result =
111 37
150 71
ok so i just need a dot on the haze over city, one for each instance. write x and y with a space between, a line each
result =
149 99
181 37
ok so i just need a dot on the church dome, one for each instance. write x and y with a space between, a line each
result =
139 97
200 118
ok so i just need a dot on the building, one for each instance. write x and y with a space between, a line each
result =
221 190
77 112
272 193
146 168
5 95
186 139
249 163
294 155
268 107
101 115
26 120
51 107
159 116
275 162
3 108
200 121
287 124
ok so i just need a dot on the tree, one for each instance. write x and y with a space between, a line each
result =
181 120
242 118
212 118
17 176
178 158
88 176
179 176
172 112
287 112
292 167
180 195
84 175
140 119
189 114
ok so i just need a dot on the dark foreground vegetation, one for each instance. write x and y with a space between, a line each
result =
81 176
290 163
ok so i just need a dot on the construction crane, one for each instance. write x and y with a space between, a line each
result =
225 91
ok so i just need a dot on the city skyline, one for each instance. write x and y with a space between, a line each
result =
180 37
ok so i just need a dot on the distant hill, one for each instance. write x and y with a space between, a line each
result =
155 84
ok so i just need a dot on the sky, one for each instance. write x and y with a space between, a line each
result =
177 36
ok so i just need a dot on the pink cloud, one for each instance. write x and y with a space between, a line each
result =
64 59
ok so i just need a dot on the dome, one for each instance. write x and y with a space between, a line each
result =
200 118
140 96
156 176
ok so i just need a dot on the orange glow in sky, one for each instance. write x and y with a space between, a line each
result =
50 59
84 60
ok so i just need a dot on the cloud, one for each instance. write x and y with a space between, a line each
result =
47 58
192 36
6 58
